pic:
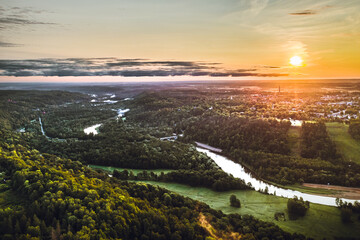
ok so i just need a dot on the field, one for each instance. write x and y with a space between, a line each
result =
320 221
135 171
348 147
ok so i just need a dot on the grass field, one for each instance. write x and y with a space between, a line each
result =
348 147
135 171
294 140
320 221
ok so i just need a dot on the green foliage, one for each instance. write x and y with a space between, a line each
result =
119 146
287 169
347 209
354 129
19 107
297 207
316 142
229 133
234 201
70 121
74 202
215 179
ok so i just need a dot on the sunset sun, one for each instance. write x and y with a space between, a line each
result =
296 61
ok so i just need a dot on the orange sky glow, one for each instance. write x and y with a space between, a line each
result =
186 40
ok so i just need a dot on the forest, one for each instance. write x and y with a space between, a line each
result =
214 179
354 129
316 142
48 192
262 147
63 199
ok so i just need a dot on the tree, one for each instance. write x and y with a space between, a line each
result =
234 202
297 207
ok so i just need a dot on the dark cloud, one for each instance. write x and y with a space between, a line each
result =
19 21
19 17
304 12
119 67
270 66
26 10
135 62
7 44
16 17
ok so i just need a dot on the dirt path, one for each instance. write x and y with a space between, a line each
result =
205 224
343 192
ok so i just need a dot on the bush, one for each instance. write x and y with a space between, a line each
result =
354 130
234 202
297 207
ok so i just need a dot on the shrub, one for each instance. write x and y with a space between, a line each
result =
234 202
297 207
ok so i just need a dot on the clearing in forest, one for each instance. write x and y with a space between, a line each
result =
348 147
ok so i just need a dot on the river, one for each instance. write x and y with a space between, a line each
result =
92 129
41 127
238 171
121 112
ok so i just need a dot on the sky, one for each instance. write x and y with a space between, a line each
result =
183 39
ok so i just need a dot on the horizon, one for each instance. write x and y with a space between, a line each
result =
139 80
239 40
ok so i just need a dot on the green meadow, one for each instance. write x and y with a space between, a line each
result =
320 221
348 147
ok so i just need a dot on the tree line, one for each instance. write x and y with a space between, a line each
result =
215 179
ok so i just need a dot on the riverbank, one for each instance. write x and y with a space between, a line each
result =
339 191
238 171
307 188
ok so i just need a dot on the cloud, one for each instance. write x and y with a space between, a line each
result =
304 12
26 10
4 21
19 16
256 6
266 66
120 67
7 44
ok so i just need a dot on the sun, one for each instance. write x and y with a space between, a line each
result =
296 61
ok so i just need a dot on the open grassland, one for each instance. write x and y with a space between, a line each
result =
348 147
135 171
294 140
319 222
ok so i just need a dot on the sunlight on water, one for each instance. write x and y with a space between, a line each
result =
92 129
